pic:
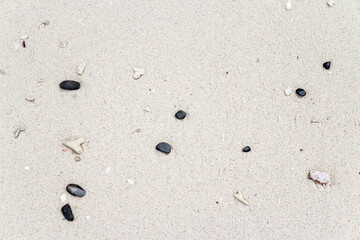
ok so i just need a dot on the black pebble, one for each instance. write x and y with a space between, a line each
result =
301 92
75 190
326 65
180 115
163 147
69 85
246 149
67 212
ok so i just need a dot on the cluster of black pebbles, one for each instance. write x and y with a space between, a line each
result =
163 147
76 191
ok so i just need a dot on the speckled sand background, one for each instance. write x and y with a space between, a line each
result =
186 49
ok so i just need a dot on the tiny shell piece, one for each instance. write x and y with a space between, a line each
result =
138 72
288 5
80 69
240 197
319 177
147 109
63 198
18 130
331 3
63 44
74 145
287 91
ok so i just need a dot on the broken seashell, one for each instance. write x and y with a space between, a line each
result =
240 197
80 69
138 72
319 177
74 145
18 130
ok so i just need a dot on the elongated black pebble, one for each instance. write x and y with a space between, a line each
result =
246 149
180 115
301 92
75 190
69 85
163 147
67 212
327 65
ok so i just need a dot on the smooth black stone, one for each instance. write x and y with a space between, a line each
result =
163 147
75 190
69 85
67 212
180 115
326 65
301 92
246 149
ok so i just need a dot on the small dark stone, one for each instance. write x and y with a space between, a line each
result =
75 190
67 212
163 147
327 65
180 115
301 92
246 149
69 85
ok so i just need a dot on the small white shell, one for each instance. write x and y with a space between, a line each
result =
138 72
319 177
287 91
331 3
63 198
240 197
288 5
80 69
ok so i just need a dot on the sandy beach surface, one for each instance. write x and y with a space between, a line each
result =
226 64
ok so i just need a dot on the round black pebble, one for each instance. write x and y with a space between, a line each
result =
246 149
301 92
163 147
67 212
327 65
180 115
75 190
69 85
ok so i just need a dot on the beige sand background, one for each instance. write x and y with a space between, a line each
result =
186 49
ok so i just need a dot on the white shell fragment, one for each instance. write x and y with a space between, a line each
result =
331 3
107 169
80 69
138 72
63 198
130 181
240 197
27 168
23 37
319 177
18 130
63 44
287 91
288 5
147 109
30 99
74 145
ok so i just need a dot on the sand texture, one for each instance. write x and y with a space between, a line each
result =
227 64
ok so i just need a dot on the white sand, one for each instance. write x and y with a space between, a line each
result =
186 50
